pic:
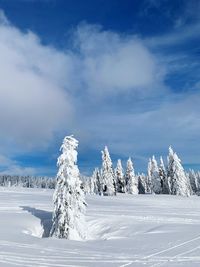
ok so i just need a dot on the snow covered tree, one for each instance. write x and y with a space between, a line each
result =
68 198
119 175
163 178
108 177
179 181
198 182
193 181
142 183
86 186
131 179
92 184
97 182
155 177
149 177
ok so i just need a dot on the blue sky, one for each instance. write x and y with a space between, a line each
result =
119 73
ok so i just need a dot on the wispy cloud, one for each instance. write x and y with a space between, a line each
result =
177 36
12 167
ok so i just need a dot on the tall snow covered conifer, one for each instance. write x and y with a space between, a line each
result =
163 177
142 183
179 181
99 182
92 184
193 181
155 177
96 179
108 177
119 174
149 177
131 179
198 182
68 198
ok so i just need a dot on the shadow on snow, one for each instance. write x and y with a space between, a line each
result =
44 216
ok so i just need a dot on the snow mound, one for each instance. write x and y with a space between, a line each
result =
35 230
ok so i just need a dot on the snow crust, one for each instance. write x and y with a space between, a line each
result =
126 230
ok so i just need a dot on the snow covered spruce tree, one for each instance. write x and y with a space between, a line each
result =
193 181
178 180
108 177
131 179
163 177
119 176
198 183
155 177
85 184
142 183
92 184
69 200
149 177
97 183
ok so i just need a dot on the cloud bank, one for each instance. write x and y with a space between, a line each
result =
107 88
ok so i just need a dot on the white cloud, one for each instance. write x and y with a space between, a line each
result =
33 102
5 161
107 90
112 63
18 170
175 122
40 86
12 167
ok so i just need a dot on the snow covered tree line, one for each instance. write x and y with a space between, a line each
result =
160 179
109 181
27 181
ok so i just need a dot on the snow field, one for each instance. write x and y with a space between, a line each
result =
126 230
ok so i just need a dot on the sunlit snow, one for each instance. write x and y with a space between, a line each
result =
126 230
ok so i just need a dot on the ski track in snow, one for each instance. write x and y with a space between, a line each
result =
177 256
125 231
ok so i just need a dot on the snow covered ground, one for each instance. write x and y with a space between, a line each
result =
143 230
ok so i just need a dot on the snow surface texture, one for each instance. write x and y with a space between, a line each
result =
126 230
